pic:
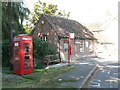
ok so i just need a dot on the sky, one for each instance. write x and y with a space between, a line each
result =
84 11
89 11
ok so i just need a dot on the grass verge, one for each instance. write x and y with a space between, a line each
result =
40 78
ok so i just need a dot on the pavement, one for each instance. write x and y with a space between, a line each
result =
80 76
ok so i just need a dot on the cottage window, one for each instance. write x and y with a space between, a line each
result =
90 46
66 47
44 38
86 44
81 45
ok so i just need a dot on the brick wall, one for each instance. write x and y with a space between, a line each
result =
75 50
59 43
47 29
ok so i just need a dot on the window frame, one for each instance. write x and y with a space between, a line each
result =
82 45
65 47
43 38
91 46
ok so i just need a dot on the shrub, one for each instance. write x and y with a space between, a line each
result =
5 53
41 49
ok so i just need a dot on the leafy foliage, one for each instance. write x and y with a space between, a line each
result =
5 54
19 13
39 9
41 49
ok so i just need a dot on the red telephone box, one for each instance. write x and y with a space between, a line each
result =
23 54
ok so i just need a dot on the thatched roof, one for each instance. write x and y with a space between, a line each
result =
62 26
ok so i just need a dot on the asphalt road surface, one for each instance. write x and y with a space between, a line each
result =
109 74
107 77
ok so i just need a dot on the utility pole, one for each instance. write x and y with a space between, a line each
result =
10 34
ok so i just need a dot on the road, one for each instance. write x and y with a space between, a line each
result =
109 74
107 77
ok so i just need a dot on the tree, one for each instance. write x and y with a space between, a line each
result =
19 13
10 33
14 23
39 9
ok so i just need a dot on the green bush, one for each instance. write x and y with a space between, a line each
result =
41 49
5 53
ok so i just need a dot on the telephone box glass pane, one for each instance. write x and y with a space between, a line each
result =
27 57
16 54
17 66
16 49
27 64
27 49
27 53
16 61
27 60
27 68
26 43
